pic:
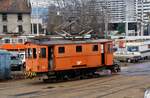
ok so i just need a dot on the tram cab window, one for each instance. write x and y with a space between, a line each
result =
42 53
34 53
110 49
29 53
95 47
78 48
102 48
61 50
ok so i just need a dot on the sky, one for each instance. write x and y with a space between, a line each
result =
40 7
40 3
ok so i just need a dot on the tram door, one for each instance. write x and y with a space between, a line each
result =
50 57
29 59
108 51
43 61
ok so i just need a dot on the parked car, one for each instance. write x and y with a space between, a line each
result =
16 61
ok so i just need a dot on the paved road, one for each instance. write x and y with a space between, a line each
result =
130 83
137 69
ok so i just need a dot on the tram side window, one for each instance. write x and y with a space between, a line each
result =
95 47
78 48
110 50
61 50
43 53
20 40
7 40
34 53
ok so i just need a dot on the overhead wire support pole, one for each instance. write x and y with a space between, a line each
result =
37 3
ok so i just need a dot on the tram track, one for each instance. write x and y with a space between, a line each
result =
89 87
102 87
111 90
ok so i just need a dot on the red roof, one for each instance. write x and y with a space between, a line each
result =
15 6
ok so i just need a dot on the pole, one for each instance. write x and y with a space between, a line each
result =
142 24
106 19
37 18
126 22
126 25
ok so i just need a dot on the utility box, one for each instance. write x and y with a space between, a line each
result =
5 62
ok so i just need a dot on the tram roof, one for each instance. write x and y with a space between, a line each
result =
62 42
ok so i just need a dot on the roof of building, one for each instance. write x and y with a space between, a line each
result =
15 6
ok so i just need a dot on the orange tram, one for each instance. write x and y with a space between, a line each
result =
69 58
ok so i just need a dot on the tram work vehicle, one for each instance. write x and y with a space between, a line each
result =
69 58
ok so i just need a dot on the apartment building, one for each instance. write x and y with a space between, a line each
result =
15 17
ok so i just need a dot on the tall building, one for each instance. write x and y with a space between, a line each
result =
117 10
15 17
143 13
121 11
135 14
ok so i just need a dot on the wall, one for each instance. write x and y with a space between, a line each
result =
12 23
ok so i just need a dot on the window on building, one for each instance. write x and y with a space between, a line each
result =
40 28
19 17
31 28
78 48
4 17
43 53
20 28
5 28
61 49
95 47
34 28
34 53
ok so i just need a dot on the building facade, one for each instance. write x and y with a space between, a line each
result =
120 10
143 13
15 17
37 26
135 14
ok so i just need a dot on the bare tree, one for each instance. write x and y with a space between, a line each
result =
78 15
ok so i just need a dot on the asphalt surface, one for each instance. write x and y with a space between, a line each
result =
142 68
131 82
